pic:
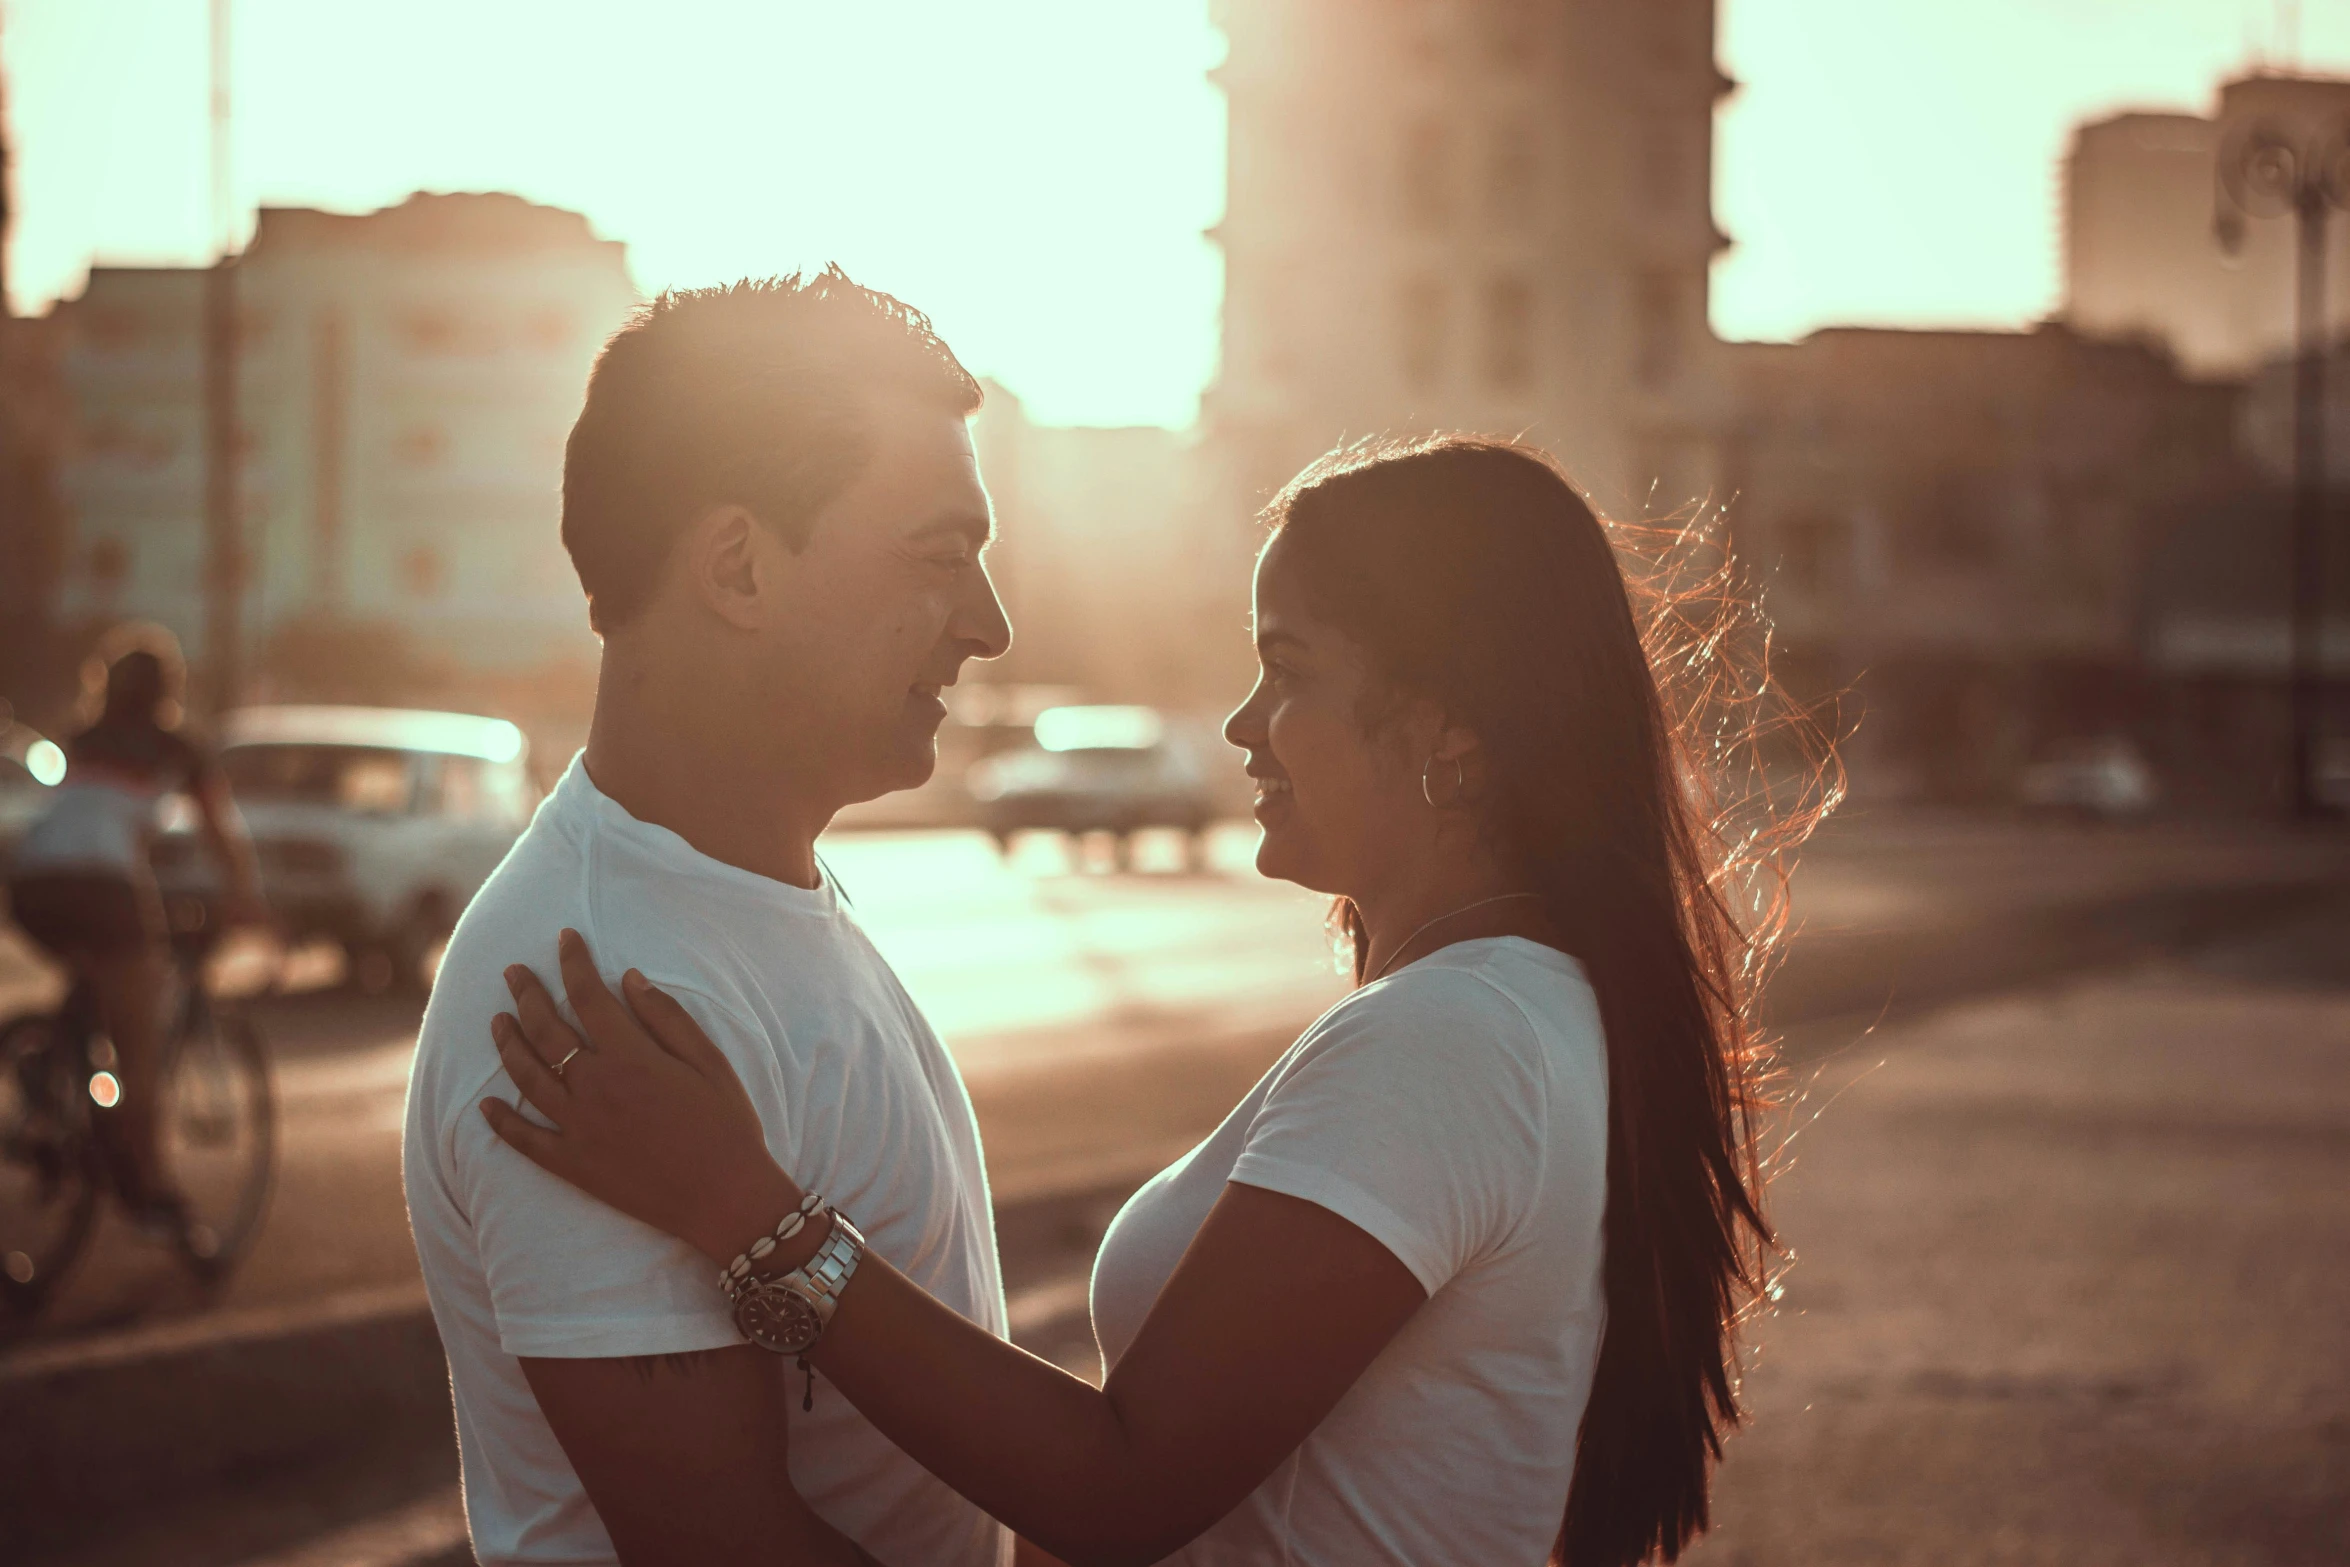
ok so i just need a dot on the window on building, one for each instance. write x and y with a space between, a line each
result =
1427 182
423 572
142 449
1511 175
1814 552
112 329
1420 332
1660 166
1672 473
1670 29
549 329
2083 548
1509 333
110 563
1656 328
420 446
431 332
1958 522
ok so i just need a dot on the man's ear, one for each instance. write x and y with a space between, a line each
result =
729 566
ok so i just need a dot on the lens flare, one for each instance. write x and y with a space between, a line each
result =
105 1090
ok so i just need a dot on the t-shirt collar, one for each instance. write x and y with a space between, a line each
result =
579 801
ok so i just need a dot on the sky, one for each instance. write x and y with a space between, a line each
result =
1037 174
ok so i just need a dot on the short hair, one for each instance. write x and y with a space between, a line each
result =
751 393
135 671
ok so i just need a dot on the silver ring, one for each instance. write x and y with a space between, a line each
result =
558 1067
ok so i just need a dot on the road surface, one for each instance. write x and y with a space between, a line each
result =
1105 1021
2065 1203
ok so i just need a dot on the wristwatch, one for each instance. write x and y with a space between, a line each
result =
789 1313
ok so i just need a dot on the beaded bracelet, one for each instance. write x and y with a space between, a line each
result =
738 1272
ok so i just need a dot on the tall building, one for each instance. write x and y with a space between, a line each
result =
2142 257
1470 214
407 379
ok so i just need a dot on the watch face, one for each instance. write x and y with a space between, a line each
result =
774 1317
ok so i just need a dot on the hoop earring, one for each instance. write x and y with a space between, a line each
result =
1460 783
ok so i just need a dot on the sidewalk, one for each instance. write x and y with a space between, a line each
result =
2071 1281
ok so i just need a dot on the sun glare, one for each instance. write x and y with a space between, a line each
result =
1035 175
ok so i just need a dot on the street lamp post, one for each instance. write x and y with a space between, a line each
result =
224 529
2266 171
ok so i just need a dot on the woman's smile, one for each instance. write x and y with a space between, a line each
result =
1274 797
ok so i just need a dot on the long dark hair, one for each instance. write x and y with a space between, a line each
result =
1473 571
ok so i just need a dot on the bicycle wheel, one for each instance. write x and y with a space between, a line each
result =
48 1165
219 1135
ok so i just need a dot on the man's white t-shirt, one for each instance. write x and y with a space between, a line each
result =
860 1102
1457 1112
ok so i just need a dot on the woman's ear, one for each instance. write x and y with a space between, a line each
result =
1458 749
726 565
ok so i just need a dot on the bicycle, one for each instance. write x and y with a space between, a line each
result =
218 1126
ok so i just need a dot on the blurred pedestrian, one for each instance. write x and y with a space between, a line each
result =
1457 1281
81 886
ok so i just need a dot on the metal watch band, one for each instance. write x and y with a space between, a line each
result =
789 1313
822 1277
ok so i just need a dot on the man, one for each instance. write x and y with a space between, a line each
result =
773 506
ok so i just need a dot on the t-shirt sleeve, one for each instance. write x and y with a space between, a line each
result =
568 1277
1413 1113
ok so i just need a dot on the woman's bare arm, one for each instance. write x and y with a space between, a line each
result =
1276 1309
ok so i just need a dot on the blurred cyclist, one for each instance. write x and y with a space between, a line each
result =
81 885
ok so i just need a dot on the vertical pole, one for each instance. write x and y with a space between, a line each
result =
7 208
2309 490
224 575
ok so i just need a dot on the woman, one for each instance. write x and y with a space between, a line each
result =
1467 1261
80 884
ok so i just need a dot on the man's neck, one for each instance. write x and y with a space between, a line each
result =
678 756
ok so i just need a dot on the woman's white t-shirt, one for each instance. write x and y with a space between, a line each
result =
1457 1112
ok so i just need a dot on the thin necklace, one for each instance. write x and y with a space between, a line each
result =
1465 908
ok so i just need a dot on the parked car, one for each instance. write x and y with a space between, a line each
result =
31 764
2105 776
1093 769
373 826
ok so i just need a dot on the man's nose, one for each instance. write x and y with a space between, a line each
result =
982 622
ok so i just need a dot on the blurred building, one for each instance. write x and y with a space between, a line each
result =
1481 214
33 672
2000 540
30 525
2141 256
407 379
1098 561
